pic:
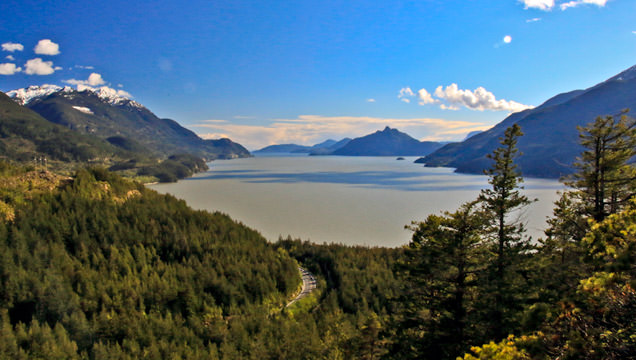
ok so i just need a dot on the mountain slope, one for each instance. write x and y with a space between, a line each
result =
105 114
388 142
24 135
550 141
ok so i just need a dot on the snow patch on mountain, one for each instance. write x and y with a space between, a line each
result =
83 109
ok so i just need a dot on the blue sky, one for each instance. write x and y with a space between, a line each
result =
265 72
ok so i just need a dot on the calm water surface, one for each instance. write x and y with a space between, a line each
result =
349 200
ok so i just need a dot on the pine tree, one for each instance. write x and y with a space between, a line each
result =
441 267
500 203
605 179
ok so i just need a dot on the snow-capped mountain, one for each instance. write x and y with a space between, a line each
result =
109 95
112 115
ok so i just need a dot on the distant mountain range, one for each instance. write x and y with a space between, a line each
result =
388 142
550 144
326 146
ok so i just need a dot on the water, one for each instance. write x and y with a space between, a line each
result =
349 200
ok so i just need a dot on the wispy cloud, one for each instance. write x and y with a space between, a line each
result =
311 129
544 5
371 100
85 67
405 94
38 67
547 5
9 69
11 47
533 20
10 58
575 3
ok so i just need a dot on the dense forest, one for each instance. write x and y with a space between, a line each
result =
96 266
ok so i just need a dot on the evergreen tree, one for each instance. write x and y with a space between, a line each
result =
441 266
509 246
605 179
604 182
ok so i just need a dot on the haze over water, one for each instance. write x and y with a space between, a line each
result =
349 200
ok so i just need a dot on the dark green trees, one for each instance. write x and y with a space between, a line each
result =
441 265
605 181
504 233
466 268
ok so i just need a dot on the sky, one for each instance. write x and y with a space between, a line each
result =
273 72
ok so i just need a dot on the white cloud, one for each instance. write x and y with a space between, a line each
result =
533 20
425 97
38 67
575 3
84 67
311 129
9 69
544 5
47 47
371 100
507 39
10 57
448 107
634 32
11 47
479 99
405 94
94 79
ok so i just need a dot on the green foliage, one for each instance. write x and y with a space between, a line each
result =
113 263
505 350
441 267
605 180
505 282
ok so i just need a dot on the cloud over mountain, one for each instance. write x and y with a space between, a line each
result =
479 99
39 67
453 98
94 79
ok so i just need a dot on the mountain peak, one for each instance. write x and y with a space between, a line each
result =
26 95
628 74
109 95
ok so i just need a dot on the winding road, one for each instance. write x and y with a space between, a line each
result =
309 285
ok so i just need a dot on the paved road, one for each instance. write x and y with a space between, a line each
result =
309 285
